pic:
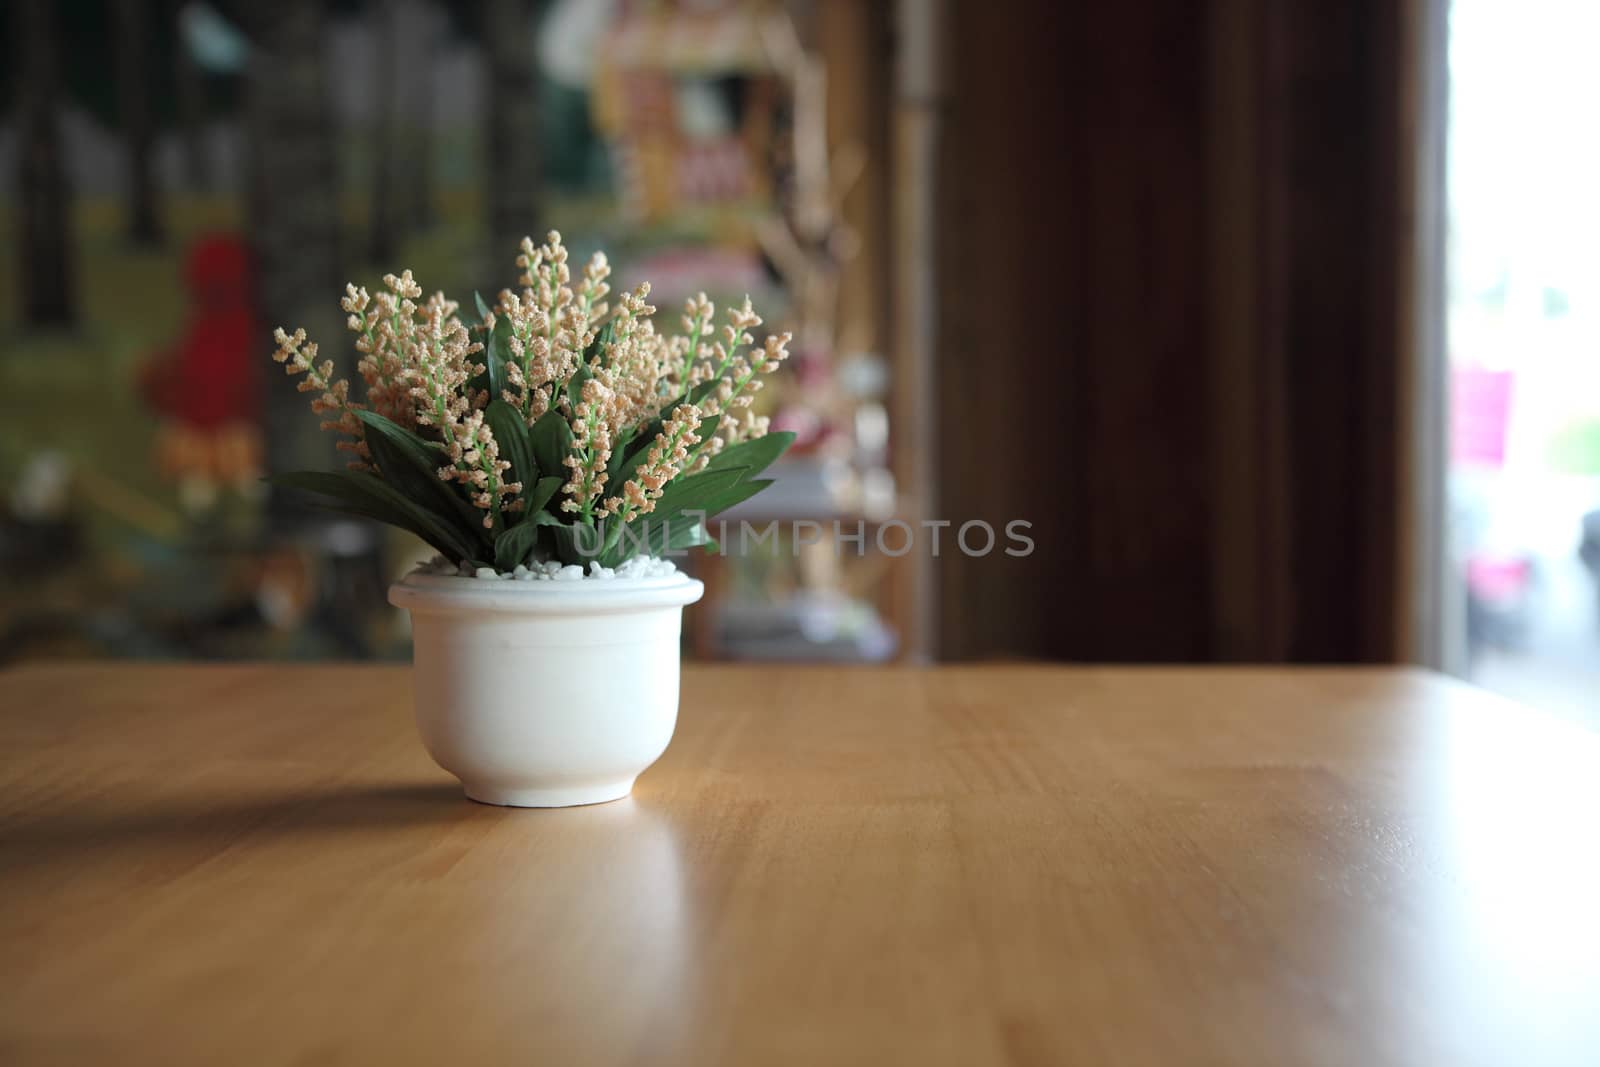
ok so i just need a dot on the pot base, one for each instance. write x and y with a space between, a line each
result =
562 797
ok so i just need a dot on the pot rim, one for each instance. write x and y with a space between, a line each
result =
449 594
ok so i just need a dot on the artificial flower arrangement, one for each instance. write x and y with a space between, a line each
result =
558 429
556 432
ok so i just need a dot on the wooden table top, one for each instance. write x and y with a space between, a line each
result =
258 864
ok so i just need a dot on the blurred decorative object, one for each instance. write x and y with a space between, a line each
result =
1500 589
808 626
1575 446
679 271
688 97
204 388
214 42
1589 551
39 533
42 492
503 466
1480 407
570 39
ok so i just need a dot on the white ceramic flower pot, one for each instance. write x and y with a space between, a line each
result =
545 694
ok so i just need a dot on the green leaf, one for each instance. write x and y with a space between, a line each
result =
513 546
511 434
620 460
656 538
552 440
367 495
757 454
644 436
483 308
544 491
693 494
662 530
602 338
411 466
619 474
575 383
687 535
497 353
697 490
572 539
698 393
736 495
648 433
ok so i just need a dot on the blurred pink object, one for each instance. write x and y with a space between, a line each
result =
679 272
1498 579
1480 407
806 425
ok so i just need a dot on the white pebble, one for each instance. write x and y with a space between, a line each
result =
636 568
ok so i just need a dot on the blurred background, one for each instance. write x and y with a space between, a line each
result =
186 176
1274 320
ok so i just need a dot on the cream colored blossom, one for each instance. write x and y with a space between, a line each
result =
476 466
593 424
421 368
550 324
299 356
666 458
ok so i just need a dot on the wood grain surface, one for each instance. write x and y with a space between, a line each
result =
259 865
